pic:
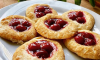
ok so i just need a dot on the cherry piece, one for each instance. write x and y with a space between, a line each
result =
20 28
85 38
19 24
90 36
55 27
81 20
41 11
55 24
14 23
72 15
34 47
40 8
26 23
61 22
42 54
39 14
50 22
77 16
89 42
47 11
47 47
79 39
42 49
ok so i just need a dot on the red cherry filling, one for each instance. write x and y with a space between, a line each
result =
34 47
47 47
42 49
79 39
19 24
41 11
20 28
89 42
77 16
42 54
55 24
81 20
85 38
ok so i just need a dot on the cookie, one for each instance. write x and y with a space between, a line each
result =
17 28
39 48
55 27
83 19
85 44
37 11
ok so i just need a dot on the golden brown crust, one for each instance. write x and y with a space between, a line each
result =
21 53
8 33
89 20
30 11
91 52
64 33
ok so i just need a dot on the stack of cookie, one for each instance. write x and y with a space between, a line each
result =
42 27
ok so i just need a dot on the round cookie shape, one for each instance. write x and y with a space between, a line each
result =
83 19
17 28
39 48
89 48
37 11
55 27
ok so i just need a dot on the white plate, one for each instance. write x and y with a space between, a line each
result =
60 7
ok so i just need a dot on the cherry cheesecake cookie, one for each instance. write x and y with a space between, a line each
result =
37 11
83 19
85 44
39 48
17 28
55 27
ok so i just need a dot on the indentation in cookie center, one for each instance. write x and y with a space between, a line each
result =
56 23
42 10
19 24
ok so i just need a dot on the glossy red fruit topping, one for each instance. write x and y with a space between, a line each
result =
42 54
42 10
72 15
55 24
19 24
42 49
55 27
39 14
47 11
81 20
26 23
89 42
50 22
85 38
61 22
20 28
79 39
34 47
14 23
77 16
47 47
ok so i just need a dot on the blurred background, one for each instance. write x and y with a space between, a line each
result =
84 3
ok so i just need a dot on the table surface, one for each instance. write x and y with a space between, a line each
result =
84 3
